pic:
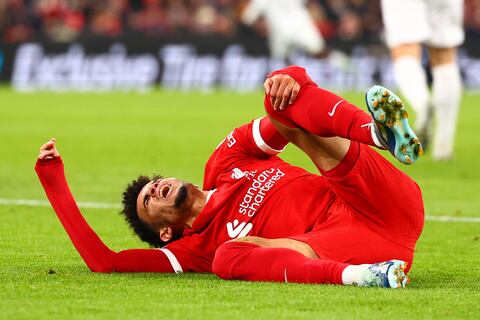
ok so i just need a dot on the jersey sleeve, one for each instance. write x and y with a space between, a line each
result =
258 140
97 256
190 254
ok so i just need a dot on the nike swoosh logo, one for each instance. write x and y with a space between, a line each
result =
331 113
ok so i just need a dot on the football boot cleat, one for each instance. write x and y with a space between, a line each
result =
389 274
391 125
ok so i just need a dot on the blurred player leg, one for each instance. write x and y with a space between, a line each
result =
406 27
446 20
446 91
412 81
279 46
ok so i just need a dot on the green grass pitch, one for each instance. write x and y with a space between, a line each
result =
107 139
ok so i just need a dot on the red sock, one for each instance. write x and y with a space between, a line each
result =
325 114
247 261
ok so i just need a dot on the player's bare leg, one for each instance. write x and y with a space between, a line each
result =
325 152
440 56
446 95
413 50
298 246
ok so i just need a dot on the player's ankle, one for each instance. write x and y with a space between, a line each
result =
352 274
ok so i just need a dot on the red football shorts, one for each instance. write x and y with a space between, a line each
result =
378 214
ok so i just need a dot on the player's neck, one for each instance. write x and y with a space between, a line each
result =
197 207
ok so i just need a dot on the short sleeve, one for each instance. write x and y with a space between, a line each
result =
250 143
186 255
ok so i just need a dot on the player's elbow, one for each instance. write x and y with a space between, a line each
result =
100 267
221 265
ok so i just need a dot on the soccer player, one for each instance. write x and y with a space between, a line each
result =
290 25
259 218
438 24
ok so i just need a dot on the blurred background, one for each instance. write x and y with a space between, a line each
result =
84 45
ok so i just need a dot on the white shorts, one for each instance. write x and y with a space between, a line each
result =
309 41
300 34
437 23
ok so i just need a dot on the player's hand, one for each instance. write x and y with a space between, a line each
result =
282 89
48 150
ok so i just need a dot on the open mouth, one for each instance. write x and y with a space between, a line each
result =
165 191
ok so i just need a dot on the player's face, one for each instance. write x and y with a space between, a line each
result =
165 202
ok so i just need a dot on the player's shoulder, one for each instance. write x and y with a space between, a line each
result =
235 136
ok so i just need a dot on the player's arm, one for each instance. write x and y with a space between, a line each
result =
97 256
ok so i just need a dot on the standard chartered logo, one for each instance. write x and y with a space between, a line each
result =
258 190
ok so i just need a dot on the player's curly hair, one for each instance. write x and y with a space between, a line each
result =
129 200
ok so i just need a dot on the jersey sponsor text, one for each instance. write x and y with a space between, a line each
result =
255 195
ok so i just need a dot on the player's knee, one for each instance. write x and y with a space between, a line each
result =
268 106
282 117
228 256
440 56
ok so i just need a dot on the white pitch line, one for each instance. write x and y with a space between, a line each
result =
452 219
45 203
106 205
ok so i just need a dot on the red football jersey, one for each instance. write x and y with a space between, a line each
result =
253 193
